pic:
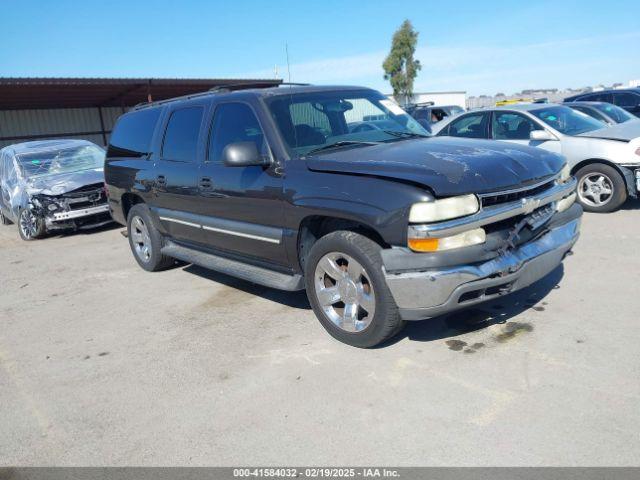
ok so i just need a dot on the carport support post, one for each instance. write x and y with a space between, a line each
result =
104 133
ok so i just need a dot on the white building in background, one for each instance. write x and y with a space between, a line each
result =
438 98
634 83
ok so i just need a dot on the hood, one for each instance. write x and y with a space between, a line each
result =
624 132
65 182
446 165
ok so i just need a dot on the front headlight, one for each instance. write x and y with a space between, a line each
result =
444 209
565 173
565 203
464 239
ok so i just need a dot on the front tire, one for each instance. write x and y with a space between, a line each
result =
601 188
348 292
30 226
145 241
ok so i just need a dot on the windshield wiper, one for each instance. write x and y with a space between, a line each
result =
397 133
342 143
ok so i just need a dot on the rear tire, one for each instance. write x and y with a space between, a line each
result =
348 292
601 188
30 226
145 241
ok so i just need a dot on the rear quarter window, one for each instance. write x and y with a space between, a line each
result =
133 133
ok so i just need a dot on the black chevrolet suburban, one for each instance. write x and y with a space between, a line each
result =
283 187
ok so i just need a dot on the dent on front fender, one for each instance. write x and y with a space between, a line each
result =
381 204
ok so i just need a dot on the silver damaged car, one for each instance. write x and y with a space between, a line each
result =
51 185
605 159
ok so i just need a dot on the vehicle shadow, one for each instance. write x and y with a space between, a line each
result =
471 319
84 231
291 299
631 204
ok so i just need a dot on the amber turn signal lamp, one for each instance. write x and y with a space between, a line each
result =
423 244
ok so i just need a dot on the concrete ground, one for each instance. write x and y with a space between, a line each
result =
102 363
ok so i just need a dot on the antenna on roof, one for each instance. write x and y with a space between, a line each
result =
286 49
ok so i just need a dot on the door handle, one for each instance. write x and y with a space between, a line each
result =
161 181
205 183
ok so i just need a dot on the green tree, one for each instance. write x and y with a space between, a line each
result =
400 68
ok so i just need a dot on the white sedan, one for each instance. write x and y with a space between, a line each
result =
605 159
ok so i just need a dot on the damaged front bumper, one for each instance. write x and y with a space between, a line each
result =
426 292
85 212
83 208
79 219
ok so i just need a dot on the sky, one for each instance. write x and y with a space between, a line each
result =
481 46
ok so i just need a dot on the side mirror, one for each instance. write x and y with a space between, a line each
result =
541 135
243 154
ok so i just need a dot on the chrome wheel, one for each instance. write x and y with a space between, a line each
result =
28 224
595 189
140 239
344 292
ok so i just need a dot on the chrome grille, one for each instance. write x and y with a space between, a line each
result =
497 198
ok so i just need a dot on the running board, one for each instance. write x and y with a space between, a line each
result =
259 275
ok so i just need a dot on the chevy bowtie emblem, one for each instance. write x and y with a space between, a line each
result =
530 204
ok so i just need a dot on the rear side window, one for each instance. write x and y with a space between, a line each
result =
591 112
9 174
181 136
421 114
469 126
625 99
133 134
511 126
596 97
4 160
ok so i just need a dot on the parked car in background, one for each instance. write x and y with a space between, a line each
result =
379 226
428 114
605 112
628 98
51 185
514 101
605 159
368 124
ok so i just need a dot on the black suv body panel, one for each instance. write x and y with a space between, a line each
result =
445 166
255 213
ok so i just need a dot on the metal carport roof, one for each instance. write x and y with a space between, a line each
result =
19 93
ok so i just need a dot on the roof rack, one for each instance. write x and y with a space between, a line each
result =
167 100
246 85
218 89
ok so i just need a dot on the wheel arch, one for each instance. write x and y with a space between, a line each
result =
314 227
128 200
626 175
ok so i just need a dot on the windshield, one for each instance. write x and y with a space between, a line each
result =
63 160
311 121
568 121
619 115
